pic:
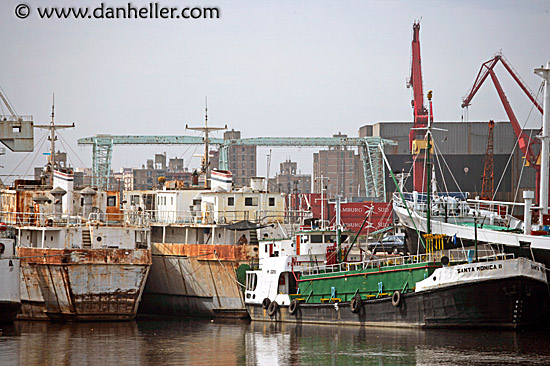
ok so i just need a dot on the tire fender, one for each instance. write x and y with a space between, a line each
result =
355 304
273 308
396 298
293 307
265 303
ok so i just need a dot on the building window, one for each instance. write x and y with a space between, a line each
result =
251 201
111 201
231 201
272 201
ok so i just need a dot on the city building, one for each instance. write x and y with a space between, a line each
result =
338 171
288 180
242 160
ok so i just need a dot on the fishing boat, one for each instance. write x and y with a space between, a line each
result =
10 296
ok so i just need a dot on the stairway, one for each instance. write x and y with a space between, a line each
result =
86 239
253 237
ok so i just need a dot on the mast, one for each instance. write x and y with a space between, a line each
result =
206 130
544 73
52 127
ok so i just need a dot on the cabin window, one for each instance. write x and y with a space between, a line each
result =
231 201
111 201
171 200
134 199
251 281
272 201
316 238
329 239
251 201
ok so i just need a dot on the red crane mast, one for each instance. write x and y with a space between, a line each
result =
487 188
525 143
420 112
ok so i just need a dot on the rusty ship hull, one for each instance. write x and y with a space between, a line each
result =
196 280
82 284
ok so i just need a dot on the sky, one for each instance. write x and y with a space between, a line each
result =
268 68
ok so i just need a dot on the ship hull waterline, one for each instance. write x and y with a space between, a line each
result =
82 285
188 280
512 303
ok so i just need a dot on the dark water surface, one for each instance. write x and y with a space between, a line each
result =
202 342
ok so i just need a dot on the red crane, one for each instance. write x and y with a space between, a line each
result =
487 187
420 113
525 143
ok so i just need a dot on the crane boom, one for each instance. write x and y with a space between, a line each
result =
417 143
525 143
415 81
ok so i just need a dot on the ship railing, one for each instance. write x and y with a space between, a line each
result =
483 255
371 263
454 256
450 206
171 217
51 219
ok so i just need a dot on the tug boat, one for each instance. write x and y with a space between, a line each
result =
432 290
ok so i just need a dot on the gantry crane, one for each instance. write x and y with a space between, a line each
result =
373 167
417 142
525 143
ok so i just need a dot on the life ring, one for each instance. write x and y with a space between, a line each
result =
265 303
273 308
2 248
293 307
396 298
355 304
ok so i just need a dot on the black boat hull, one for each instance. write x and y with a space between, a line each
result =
512 303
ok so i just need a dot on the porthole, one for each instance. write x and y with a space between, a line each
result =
99 238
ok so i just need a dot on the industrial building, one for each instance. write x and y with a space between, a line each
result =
462 147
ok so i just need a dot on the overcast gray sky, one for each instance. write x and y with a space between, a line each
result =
268 68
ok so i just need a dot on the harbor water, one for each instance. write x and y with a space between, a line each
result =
206 342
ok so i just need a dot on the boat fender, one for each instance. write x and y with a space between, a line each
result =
396 298
2 248
273 308
355 304
293 307
445 260
265 303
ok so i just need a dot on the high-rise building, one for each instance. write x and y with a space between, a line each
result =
288 180
338 171
242 160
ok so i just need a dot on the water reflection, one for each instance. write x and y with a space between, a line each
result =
199 342
287 344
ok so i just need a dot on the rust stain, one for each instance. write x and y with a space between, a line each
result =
206 251
84 256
